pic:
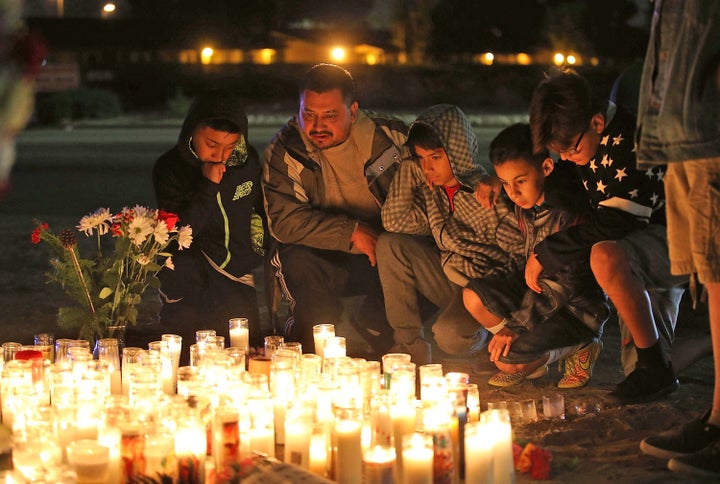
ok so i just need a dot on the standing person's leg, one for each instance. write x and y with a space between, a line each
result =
694 241
409 265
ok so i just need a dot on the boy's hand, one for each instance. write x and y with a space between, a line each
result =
213 170
533 269
364 238
500 343
488 190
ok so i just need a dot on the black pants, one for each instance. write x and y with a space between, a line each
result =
317 280
207 300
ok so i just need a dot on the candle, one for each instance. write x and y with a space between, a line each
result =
110 438
478 453
298 434
349 452
239 333
318 452
159 454
90 460
417 459
404 423
498 425
379 465
320 333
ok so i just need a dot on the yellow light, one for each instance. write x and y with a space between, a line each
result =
523 59
371 59
206 55
337 53
594 61
488 58
571 59
267 55
558 58
109 8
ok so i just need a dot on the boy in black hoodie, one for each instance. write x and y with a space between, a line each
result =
211 179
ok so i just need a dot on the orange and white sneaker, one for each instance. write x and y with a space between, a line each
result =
579 365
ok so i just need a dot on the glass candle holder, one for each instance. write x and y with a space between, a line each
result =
239 333
320 333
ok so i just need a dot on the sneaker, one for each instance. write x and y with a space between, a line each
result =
579 365
688 439
502 379
419 350
704 463
645 384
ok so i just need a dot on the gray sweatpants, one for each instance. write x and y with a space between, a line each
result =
409 265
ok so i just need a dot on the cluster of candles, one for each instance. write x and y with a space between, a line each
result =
135 415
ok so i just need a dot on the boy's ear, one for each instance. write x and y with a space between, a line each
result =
548 165
598 123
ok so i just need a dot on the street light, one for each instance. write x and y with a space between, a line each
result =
338 54
108 9
206 55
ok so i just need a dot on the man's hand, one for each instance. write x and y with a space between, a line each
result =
533 269
364 239
500 343
488 190
213 170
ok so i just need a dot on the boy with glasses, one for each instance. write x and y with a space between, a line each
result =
625 239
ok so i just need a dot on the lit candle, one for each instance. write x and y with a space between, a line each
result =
349 451
159 454
239 333
498 425
404 423
320 333
318 453
417 459
478 453
379 465
298 433
90 460
110 438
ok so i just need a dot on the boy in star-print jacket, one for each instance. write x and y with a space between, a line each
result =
624 241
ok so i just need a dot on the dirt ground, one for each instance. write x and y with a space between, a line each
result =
597 442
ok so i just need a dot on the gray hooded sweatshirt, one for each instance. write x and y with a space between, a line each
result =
469 237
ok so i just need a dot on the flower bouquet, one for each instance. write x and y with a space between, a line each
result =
108 287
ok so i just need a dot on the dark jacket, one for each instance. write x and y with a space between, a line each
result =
623 197
225 218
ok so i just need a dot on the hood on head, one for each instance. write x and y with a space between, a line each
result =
458 138
215 104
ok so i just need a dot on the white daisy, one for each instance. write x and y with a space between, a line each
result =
99 219
184 237
139 229
170 264
161 233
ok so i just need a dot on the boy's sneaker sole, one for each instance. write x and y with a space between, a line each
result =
704 463
688 439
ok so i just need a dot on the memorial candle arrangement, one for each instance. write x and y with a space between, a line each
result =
349 420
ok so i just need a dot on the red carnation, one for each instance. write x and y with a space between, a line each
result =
169 218
36 234
540 463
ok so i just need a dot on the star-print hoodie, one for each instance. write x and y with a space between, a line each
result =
623 198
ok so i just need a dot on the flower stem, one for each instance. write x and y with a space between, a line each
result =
81 277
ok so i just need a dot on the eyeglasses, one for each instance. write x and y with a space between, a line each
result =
574 150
